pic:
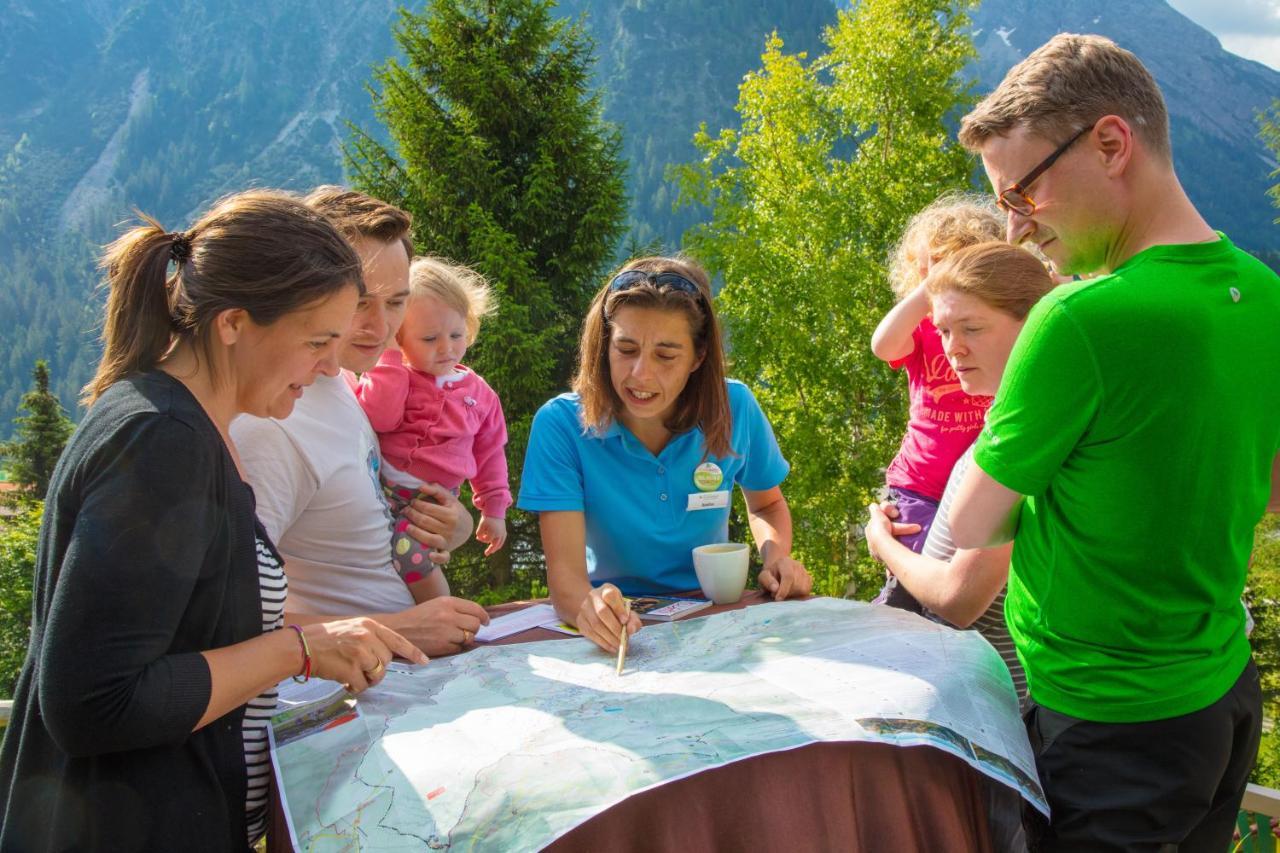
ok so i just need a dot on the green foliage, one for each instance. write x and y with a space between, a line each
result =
1262 595
19 534
507 166
522 588
1269 133
41 435
807 196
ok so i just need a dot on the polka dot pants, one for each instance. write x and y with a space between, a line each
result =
410 556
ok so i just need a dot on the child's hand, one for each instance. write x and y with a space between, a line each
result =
492 531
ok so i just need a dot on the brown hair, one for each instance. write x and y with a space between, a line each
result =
1008 278
1067 84
950 223
704 402
263 251
358 215
461 288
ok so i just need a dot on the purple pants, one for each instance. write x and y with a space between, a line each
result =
913 508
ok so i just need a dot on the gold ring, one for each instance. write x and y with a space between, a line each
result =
466 637
376 669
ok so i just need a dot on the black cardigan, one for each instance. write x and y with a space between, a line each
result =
146 558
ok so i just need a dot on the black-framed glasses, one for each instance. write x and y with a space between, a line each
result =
630 278
1015 198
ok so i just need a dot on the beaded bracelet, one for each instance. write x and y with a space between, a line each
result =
304 676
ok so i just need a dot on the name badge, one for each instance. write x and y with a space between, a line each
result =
708 500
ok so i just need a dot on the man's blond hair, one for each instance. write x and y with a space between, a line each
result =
1067 84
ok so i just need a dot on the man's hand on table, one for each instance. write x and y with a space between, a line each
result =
882 528
601 617
440 626
439 521
783 576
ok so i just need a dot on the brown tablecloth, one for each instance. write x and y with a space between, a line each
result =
825 796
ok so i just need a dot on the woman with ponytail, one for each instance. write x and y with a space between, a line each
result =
158 637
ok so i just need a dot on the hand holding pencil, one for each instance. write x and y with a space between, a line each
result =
605 618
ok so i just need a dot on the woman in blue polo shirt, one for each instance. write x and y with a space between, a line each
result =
636 467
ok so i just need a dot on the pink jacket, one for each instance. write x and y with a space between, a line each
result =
439 435
942 421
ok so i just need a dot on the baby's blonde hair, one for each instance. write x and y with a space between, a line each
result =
952 222
461 288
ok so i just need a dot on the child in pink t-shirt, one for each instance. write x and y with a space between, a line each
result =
943 420
437 420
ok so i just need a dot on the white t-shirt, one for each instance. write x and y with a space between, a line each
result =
315 477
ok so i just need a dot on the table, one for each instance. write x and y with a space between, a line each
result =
822 796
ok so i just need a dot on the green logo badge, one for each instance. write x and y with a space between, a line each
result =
708 477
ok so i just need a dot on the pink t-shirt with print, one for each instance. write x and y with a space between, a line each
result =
943 421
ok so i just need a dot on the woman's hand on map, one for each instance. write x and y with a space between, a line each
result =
783 576
355 652
602 615
881 527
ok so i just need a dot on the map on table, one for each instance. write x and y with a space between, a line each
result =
509 747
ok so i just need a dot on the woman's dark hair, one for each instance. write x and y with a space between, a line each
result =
263 251
704 402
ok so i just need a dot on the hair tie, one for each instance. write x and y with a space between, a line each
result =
179 247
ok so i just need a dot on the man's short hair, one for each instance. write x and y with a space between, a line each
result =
357 215
1067 84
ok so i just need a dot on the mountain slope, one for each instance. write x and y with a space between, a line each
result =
1212 96
164 105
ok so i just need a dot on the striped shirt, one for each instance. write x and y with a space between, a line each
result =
991 624
257 714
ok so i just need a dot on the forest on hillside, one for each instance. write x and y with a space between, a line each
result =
116 111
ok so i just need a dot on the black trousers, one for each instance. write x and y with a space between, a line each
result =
1164 785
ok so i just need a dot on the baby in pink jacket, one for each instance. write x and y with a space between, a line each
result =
437 420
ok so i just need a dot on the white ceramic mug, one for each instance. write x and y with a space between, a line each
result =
722 570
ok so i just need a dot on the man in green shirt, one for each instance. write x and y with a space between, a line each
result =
1139 417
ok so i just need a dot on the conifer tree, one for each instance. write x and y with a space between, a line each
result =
500 152
41 435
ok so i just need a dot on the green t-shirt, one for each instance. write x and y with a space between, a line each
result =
1140 414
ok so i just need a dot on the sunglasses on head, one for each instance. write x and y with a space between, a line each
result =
630 278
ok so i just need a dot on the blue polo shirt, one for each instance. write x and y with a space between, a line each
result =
640 527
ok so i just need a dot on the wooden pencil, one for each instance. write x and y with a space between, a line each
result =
622 638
